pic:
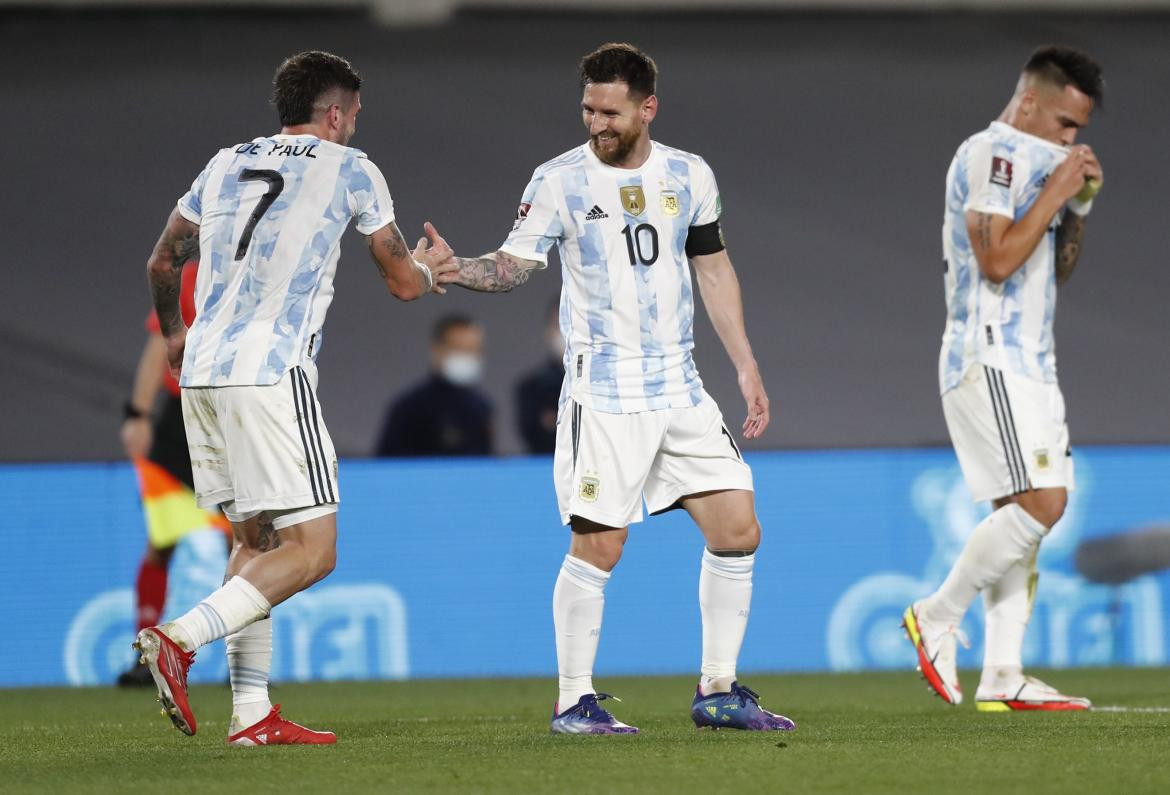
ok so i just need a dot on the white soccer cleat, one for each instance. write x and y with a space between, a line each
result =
1027 693
936 647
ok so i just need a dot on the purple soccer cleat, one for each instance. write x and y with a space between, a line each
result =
587 717
738 709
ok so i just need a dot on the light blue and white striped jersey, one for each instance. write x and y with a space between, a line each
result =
271 213
627 305
1007 326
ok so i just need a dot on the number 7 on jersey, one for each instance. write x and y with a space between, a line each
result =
275 186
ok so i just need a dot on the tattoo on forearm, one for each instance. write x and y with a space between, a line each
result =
1068 245
493 273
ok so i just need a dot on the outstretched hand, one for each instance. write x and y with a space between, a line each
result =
438 257
758 413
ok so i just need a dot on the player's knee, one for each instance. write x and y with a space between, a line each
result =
741 537
1046 506
597 546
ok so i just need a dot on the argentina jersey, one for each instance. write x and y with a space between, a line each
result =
627 304
1007 326
271 213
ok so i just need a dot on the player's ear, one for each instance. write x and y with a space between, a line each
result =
649 109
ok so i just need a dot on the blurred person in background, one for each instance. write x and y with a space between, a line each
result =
157 444
1018 198
538 392
447 414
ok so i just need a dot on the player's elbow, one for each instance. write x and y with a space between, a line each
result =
995 269
404 290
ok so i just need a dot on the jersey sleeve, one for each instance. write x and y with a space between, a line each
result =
706 207
538 225
370 198
989 179
191 203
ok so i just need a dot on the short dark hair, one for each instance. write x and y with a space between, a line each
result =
1064 66
612 62
303 78
448 322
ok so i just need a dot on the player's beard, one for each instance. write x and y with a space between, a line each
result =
625 144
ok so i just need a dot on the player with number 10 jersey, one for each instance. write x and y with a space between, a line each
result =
629 218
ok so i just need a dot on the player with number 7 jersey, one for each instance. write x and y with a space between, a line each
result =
629 218
266 217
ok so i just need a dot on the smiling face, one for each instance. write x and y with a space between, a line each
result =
618 123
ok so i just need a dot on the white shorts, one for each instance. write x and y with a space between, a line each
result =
260 448
605 464
1009 433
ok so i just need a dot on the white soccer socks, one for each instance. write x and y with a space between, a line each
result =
228 610
578 604
249 654
725 598
1007 606
1006 537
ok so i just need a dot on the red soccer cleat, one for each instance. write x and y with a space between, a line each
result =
168 664
275 730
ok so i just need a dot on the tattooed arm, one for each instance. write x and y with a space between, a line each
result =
1068 245
178 243
494 273
409 275
1001 244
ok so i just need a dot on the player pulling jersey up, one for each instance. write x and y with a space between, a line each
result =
269 215
626 214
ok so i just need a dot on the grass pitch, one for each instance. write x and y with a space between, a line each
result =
864 733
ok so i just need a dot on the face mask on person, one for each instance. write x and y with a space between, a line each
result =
463 369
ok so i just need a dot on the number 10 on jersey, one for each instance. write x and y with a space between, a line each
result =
641 244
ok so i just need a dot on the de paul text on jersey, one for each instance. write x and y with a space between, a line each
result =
277 148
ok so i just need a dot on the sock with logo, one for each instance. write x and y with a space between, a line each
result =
725 598
578 604
1007 607
1005 538
150 590
249 654
228 610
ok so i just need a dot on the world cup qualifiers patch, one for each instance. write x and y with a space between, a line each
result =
589 488
521 214
1001 171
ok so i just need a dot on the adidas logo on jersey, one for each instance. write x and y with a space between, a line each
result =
596 214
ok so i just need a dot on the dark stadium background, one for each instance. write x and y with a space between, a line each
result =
830 136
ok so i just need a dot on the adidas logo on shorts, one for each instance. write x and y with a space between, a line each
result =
596 214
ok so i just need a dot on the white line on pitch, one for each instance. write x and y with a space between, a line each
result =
1131 709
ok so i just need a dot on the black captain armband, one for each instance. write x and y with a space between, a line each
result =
705 239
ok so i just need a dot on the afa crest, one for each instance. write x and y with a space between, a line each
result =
633 199
589 488
670 205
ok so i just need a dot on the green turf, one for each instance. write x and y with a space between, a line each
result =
866 733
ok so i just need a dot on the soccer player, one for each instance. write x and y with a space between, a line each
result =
627 214
1017 200
268 215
